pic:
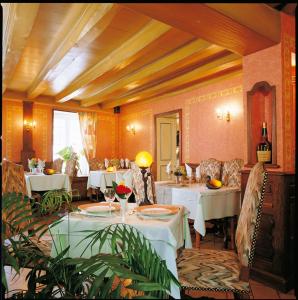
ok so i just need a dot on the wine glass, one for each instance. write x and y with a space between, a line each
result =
109 194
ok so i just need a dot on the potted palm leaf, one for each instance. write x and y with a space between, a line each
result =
131 270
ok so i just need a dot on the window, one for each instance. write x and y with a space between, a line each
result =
66 132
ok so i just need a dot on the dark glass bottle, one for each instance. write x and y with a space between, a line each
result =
264 148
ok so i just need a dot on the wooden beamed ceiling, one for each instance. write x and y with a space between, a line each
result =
113 54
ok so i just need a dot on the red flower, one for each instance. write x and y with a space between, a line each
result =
122 189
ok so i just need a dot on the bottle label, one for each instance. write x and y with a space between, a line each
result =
264 155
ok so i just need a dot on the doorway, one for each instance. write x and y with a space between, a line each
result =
168 142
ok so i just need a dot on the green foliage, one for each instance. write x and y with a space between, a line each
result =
66 153
53 200
18 218
100 276
150 273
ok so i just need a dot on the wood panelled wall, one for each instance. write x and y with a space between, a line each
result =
12 131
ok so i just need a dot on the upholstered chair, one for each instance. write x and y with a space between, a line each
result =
231 175
115 162
220 270
57 165
70 168
138 184
13 180
94 164
210 167
71 171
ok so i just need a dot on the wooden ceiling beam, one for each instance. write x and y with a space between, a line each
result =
153 68
256 16
72 105
205 81
18 21
228 62
211 25
79 22
144 37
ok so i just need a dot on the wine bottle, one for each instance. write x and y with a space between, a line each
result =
264 147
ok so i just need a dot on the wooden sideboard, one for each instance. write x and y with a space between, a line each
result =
80 183
274 257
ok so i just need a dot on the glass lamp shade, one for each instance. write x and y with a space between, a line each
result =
144 159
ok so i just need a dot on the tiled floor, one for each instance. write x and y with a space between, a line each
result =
258 290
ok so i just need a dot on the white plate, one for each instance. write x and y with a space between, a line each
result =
156 211
99 209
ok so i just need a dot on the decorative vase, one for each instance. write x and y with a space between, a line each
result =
123 207
35 170
178 179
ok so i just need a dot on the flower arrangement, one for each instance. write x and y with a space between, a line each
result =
121 189
33 163
114 162
179 171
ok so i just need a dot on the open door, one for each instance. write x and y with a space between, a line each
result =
166 144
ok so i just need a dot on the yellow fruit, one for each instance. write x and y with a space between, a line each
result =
49 171
215 182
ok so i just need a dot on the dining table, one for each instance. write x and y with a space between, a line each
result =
202 203
102 178
166 235
40 182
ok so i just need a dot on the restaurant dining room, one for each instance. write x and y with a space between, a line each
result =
148 151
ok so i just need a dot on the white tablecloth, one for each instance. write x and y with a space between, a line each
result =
166 236
42 182
102 178
202 203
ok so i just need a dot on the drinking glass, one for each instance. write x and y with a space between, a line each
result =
109 194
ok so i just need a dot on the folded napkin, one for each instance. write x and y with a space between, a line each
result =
127 163
126 178
106 163
168 168
41 163
122 163
198 172
188 170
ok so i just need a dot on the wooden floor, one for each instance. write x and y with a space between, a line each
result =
210 241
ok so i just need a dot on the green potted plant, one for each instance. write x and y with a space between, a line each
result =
124 273
68 153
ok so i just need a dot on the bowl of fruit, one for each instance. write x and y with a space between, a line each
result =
213 183
49 171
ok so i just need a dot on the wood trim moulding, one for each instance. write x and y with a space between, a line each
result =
288 104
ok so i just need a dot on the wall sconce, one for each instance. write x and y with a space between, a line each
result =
131 128
220 115
29 125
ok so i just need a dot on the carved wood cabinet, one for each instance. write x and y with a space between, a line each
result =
80 183
274 257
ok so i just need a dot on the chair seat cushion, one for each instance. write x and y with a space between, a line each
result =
207 269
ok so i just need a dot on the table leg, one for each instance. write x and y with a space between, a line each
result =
232 227
225 231
198 238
